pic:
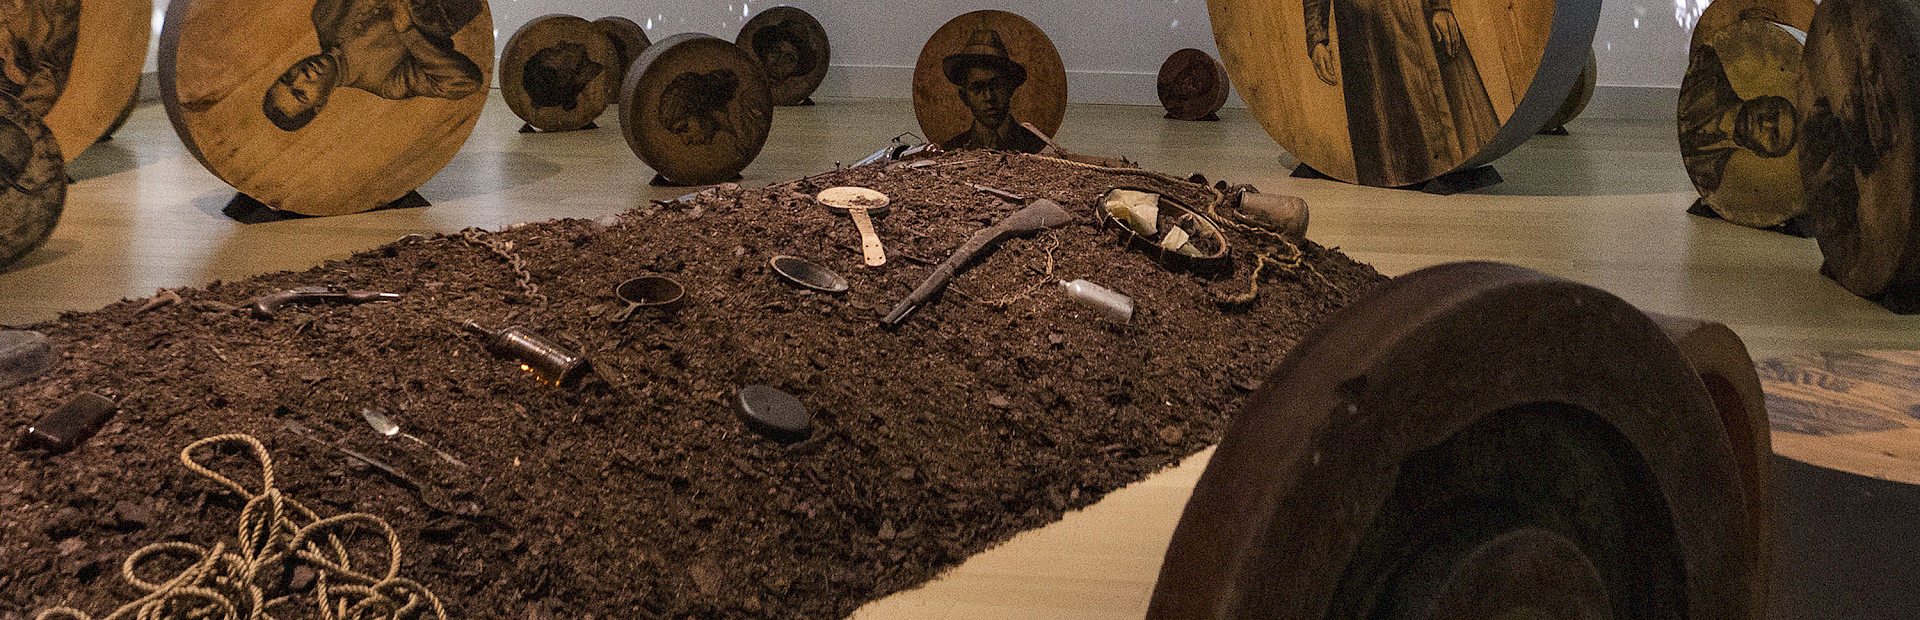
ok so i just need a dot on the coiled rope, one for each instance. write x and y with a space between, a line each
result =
1291 257
223 584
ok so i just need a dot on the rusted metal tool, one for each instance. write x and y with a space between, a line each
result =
268 305
1040 215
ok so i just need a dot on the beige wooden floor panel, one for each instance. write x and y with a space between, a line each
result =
1604 206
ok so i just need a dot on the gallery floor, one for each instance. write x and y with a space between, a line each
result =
1603 206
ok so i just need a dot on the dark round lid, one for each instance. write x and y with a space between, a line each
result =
774 413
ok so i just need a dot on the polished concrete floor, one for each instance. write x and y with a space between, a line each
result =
1603 206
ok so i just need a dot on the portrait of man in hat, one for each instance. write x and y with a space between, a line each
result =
397 49
37 41
986 77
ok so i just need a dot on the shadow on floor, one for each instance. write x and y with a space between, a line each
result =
1844 545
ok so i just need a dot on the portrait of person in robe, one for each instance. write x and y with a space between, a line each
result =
695 106
37 42
987 77
1716 123
1415 103
555 75
784 51
396 49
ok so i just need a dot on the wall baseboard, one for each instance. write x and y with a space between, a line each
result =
1132 88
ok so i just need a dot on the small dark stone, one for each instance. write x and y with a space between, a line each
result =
301 579
774 413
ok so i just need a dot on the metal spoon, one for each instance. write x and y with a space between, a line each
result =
386 426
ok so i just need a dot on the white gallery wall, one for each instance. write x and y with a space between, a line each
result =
1112 48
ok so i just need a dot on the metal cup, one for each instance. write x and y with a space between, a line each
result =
652 292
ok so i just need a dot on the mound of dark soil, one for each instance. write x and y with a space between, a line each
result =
991 411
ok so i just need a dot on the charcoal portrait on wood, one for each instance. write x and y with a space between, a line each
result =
1716 122
1414 98
397 49
986 78
694 106
32 181
555 76
37 43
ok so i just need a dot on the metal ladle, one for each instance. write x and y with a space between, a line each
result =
386 426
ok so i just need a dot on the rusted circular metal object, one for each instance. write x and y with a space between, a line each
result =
1728 373
696 109
1192 85
555 70
33 181
1523 574
792 47
1452 407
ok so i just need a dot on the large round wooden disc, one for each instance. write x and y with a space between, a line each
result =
1410 435
792 48
1396 107
1192 85
1014 76
629 40
375 99
1795 14
1737 123
696 109
1858 147
33 180
1578 99
555 70
74 63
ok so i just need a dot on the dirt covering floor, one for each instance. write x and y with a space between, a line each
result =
993 410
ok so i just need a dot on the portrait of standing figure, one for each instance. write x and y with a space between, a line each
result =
396 49
987 78
1414 98
37 42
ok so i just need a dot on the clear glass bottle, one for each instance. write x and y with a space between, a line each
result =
1112 306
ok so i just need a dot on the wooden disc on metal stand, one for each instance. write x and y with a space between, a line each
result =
554 72
696 109
629 40
74 63
313 107
792 48
1737 123
33 181
1472 440
1395 94
981 75
1795 14
1859 113
1192 85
